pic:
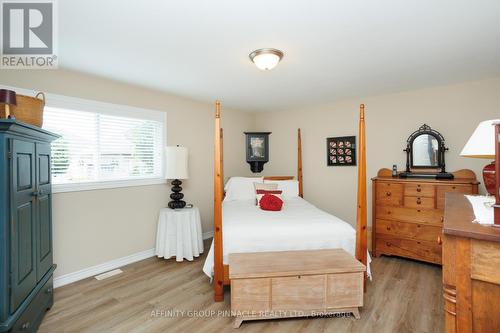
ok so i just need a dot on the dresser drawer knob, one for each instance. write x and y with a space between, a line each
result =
439 240
419 189
419 201
388 228
442 218
388 244
388 194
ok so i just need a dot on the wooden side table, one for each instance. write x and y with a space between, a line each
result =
179 234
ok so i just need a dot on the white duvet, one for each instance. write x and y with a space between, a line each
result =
298 226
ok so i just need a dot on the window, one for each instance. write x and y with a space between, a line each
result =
107 146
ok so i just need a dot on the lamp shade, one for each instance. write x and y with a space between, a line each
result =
482 142
7 97
176 163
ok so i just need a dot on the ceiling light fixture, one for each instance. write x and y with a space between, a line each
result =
266 59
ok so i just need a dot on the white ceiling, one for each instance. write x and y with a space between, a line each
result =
333 49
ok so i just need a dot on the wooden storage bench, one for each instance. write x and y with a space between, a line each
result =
268 285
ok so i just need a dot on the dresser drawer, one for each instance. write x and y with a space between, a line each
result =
30 319
427 216
389 194
441 190
415 249
420 190
302 292
408 230
419 202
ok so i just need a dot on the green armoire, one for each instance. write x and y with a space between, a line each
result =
26 264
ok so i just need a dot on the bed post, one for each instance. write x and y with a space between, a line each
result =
299 163
218 190
361 234
222 161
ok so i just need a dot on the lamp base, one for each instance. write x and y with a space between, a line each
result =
256 166
489 178
176 195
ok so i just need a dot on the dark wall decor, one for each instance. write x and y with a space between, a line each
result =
257 150
341 151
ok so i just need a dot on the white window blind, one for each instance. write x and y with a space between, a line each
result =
96 147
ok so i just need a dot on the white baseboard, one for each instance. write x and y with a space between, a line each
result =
104 267
110 265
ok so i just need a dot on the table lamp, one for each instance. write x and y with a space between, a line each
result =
485 143
7 97
482 145
176 169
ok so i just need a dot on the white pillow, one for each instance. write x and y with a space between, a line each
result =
290 188
241 188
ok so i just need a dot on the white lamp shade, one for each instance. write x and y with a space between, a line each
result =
482 142
176 163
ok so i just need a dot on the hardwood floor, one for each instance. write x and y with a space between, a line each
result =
405 296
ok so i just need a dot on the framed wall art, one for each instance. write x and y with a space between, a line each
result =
341 151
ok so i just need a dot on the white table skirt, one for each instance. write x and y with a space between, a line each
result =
179 234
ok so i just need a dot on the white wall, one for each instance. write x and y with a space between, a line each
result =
454 110
93 227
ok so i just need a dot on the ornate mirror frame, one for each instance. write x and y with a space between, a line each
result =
441 166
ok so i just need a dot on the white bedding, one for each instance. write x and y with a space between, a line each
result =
298 226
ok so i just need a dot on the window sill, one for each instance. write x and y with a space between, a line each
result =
91 186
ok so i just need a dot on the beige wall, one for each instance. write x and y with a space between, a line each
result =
93 227
453 110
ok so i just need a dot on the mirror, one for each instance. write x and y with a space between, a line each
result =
425 150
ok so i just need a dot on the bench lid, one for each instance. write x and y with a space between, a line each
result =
288 263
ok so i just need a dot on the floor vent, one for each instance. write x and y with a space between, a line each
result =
108 274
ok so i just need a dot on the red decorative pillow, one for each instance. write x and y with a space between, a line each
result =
270 202
260 193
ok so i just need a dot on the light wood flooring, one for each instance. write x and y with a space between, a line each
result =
405 296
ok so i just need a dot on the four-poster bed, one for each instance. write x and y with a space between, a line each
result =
327 225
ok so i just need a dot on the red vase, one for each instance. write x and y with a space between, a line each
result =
489 178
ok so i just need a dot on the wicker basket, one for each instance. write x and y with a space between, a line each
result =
28 109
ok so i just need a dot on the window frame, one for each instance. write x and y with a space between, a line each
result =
91 106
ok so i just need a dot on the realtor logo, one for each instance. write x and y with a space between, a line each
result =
28 34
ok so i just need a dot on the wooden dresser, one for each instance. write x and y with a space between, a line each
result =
471 270
408 214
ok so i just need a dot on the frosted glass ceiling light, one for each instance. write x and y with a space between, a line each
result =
266 59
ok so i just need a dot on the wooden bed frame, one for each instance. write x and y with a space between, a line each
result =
221 271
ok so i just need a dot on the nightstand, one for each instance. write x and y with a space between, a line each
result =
179 234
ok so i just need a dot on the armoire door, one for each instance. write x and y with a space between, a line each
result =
23 219
43 208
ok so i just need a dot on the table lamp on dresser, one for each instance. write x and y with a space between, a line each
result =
485 143
176 169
